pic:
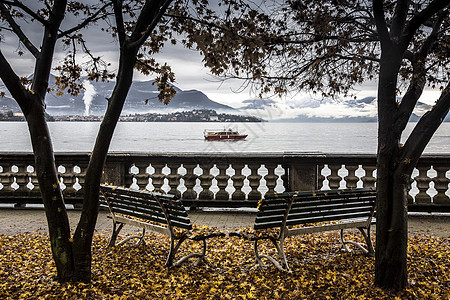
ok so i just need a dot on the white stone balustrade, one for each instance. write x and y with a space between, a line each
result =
225 179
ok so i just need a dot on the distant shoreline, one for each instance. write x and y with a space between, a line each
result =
203 115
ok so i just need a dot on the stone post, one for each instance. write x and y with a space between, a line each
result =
114 173
303 177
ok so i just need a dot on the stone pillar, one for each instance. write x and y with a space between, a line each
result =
368 179
206 182
334 179
351 179
320 177
238 182
423 184
69 180
142 176
441 185
113 173
189 181
254 180
222 182
174 179
158 177
22 179
271 178
303 177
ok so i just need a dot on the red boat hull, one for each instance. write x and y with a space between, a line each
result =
225 137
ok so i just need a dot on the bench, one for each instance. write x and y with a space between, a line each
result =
288 214
156 212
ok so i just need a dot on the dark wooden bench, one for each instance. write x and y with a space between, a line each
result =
155 212
295 213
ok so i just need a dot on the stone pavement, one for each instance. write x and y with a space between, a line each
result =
16 221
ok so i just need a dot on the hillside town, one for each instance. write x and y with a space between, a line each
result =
201 115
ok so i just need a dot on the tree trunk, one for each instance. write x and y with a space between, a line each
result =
392 184
58 221
392 226
85 229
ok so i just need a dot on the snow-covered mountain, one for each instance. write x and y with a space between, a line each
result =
326 110
142 98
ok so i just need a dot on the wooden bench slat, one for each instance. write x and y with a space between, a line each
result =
139 215
135 193
328 218
157 212
308 209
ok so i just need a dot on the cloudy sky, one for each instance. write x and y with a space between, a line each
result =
191 74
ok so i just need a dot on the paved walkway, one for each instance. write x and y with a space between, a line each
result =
16 221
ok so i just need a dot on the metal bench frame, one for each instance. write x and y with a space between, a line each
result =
168 212
362 220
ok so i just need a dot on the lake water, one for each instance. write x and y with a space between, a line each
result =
188 137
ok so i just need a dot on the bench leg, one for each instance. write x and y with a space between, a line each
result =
115 233
367 238
200 257
370 251
279 245
139 242
173 250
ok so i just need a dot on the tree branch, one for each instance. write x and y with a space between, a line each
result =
154 21
12 81
26 9
426 127
423 16
18 31
44 61
380 21
418 80
117 4
92 18
399 19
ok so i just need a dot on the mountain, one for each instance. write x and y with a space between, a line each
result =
142 98
326 110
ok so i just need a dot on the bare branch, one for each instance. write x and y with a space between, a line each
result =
12 81
117 4
422 17
18 31
92 18
380 22
155 19
26 9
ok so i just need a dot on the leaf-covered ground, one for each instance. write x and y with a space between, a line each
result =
320 271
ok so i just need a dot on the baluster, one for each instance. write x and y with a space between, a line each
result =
22 179
32 178
142 176
351 179
222 182
254 181
189 181
81 176
174 179
238 182
271 178
69 180
423 184
206 182
320 177
441 185
334 179
368 179
285 178
158 177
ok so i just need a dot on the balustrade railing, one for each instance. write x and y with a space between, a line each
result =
225 179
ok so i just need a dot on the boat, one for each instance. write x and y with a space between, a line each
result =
229 134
